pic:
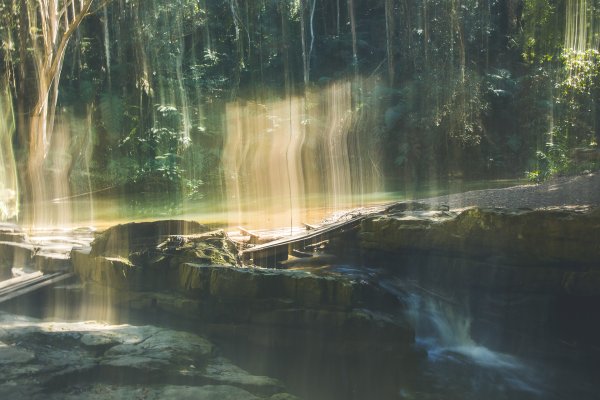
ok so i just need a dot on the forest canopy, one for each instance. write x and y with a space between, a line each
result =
134 93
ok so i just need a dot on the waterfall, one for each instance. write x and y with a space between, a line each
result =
106 43
317 140
9 191
580 29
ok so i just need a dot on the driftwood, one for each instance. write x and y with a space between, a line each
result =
272 253
253 237
310 227
28 283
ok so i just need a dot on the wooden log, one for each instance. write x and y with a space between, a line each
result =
18 279
301 254
310 227
50 279
11 285
254 238
272 253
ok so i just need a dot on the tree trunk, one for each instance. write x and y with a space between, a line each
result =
57 24
303 42
353 30
389 33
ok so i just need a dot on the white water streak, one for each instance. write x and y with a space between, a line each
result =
9 190
281 156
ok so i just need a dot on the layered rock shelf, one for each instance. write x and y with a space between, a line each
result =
528 279
531 277
199 277
557 248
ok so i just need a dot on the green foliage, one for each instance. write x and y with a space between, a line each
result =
582 70
463 111
111 108
476 88
542 34
153 160
553 160
575 123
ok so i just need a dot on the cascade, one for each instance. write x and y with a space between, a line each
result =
106 43
282 156
9 191
580 29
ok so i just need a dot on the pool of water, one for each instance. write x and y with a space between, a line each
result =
103 209
452 362
459 366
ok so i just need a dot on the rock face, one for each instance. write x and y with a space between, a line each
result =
122 240
14 255
334 325
13 251
520 237
535 249
89 360
525 275
152 262
46 252
198 277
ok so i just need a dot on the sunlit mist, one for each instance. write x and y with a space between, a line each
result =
285 155
56 199
9 204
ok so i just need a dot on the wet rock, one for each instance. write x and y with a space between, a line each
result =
160 347
520 237
275 308
153 265
14 355
530 252
300 287
525 251
94 360
528 276
198 278
11 233
15 255
20 251
122 240
410 206
283 396
585 283
222 371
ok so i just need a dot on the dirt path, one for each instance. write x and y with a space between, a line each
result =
582 190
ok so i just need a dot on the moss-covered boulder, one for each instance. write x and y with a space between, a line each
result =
147 258
122 240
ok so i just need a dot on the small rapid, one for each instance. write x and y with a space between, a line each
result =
457 366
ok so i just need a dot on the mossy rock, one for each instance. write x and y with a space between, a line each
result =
520 237
122 240
146 256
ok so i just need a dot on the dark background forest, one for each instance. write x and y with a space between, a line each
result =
472 89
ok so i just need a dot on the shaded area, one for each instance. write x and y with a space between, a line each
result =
95 360
567 191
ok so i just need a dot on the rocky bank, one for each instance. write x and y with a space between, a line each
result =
528 279
91 360
198 281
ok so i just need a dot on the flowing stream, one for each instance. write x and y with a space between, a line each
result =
457 361
459 367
